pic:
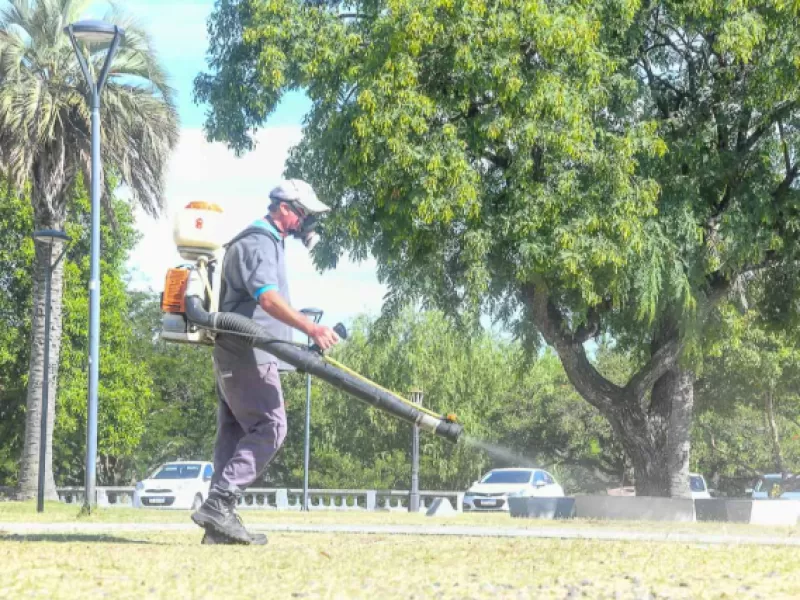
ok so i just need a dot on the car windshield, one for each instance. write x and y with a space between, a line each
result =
774 486
178 472
696 483
766 485
507 477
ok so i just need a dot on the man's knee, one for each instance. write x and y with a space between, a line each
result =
270 432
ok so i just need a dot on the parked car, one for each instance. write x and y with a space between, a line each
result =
494 488
697 487
774 485
180 484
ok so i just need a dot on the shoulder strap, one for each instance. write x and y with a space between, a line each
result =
248 231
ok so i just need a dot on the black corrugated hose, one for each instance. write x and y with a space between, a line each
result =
310 362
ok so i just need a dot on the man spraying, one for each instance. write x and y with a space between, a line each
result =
251 420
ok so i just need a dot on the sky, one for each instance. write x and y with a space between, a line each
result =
199 170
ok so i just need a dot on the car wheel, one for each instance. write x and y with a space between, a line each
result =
198 502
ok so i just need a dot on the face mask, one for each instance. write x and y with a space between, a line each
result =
306 233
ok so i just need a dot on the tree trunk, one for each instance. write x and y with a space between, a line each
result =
29 470
655 435
661 457
679 440
774 436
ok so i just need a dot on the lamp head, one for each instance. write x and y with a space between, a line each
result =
93 31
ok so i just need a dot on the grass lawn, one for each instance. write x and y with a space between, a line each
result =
321 565
175 565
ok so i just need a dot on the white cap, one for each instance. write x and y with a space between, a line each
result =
299 192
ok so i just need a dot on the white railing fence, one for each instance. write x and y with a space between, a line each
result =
287 498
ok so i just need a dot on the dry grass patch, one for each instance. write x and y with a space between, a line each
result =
337 566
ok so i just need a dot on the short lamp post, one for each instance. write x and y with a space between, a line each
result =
316 315
413 498
94 33
47 236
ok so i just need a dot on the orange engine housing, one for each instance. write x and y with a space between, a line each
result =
172 300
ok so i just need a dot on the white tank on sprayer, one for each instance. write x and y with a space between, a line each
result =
197 233
197 230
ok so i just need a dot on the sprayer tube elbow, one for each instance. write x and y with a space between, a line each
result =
312 363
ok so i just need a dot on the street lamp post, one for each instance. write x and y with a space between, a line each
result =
413 497
315 314
94 33
49 236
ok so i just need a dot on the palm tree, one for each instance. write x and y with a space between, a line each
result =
45 146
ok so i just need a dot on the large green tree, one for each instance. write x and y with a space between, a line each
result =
572 168
45 145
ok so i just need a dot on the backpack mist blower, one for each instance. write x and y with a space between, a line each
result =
189 315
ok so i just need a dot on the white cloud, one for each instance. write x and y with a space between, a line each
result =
210 172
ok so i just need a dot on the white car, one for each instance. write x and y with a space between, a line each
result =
494 488
180 484
698 487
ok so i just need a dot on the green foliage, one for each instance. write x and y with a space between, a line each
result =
456 374
181 420
460 143
45 150
124 393
629 157
546 420
748 403
574 169
534 419
16 256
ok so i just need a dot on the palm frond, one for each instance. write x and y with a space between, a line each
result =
43 108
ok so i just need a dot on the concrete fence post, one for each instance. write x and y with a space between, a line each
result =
282 499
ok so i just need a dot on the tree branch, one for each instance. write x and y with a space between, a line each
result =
786 184
499 161
595 389
591 328
744 127
786 159
663 360
767 122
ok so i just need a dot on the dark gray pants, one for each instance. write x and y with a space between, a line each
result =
251 422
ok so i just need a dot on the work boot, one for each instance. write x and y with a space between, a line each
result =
211 537
217 515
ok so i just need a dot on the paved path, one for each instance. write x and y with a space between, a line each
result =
572 533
